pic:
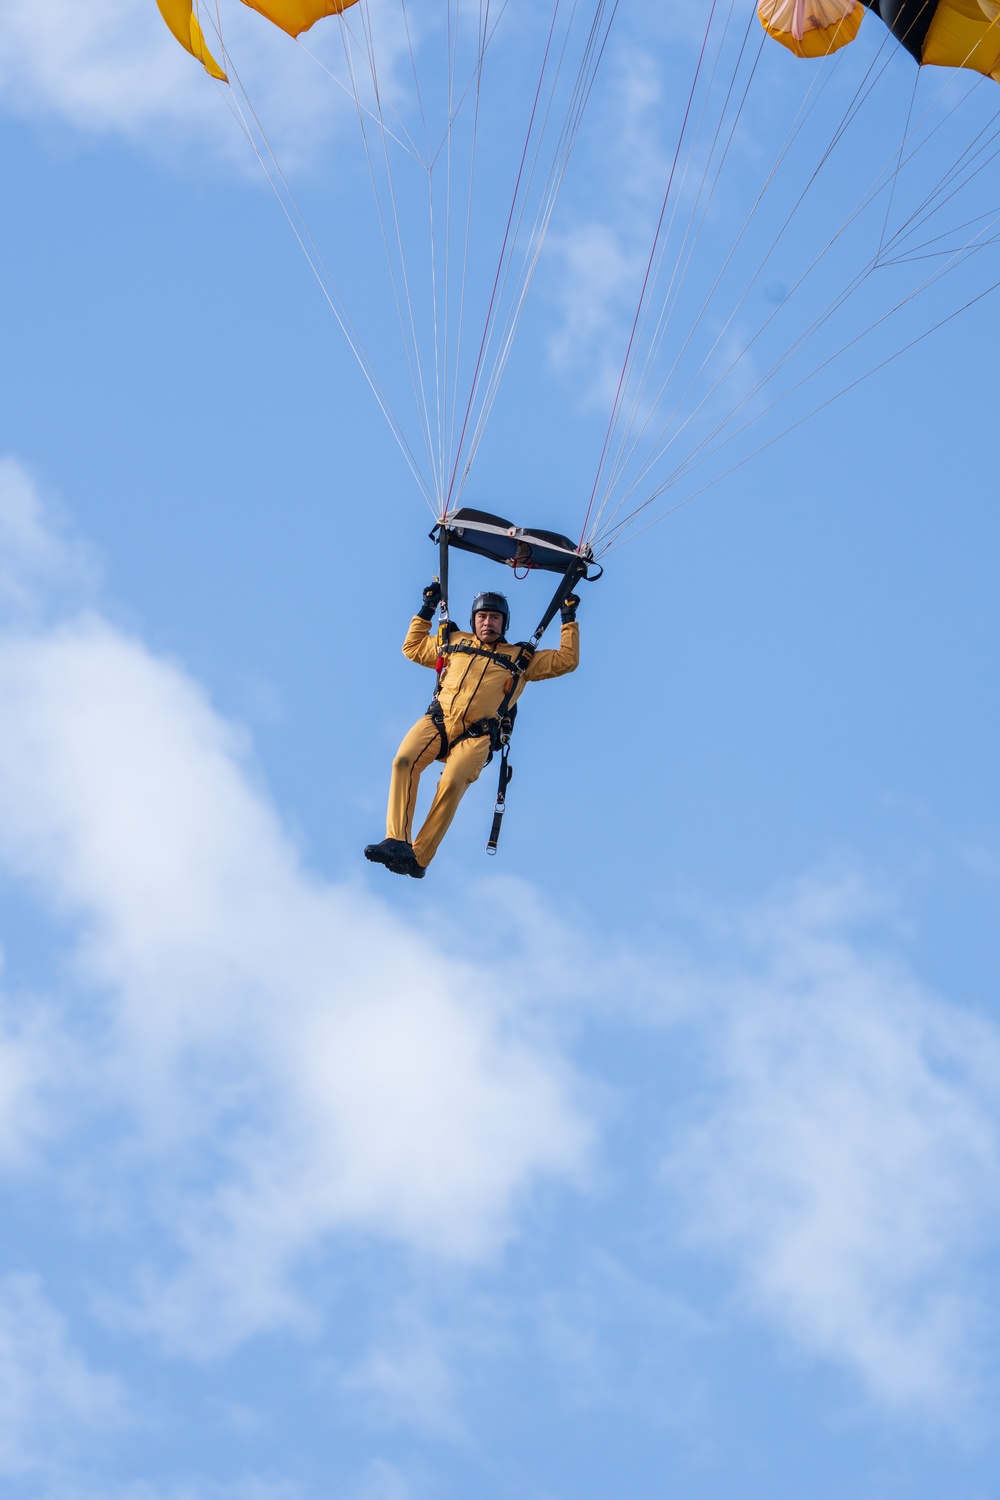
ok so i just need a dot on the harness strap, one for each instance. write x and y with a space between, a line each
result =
506 772
518 667
436 715
476 731
505 714
497 657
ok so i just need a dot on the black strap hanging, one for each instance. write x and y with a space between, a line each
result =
506 772
444 623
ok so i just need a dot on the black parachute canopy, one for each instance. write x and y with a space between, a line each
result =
517 546
908 20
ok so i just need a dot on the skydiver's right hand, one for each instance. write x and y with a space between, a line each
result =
432 598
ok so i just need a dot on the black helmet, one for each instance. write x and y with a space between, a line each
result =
492 602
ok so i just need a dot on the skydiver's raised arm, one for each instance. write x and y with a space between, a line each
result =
566 658
419 646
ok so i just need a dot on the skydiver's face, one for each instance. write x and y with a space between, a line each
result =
489 625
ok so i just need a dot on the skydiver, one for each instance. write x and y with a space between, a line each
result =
462 725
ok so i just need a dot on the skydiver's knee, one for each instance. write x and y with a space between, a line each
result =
401 764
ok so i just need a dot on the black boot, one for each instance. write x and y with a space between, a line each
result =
395 854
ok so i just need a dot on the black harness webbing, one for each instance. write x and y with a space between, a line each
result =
516 666
497 657
506 772
480 729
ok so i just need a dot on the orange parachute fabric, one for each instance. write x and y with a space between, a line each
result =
948 34
811 28
293 16
183 22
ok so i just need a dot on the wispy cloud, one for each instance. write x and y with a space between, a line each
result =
409 1378
112 66
845 1155
599 262
42 565
50 1397
264 1070
297 1059
383 1481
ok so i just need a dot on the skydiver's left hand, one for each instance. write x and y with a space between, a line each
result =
569 607
432 598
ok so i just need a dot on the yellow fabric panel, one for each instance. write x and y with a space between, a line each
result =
295 16
843 21
961 36
183 22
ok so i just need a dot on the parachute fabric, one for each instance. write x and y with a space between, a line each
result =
296 16
950 34
811 28
183 22
962 34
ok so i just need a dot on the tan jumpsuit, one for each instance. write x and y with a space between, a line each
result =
471 688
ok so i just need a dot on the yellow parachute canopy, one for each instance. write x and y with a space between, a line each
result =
183 22
293 16
811 28
947 33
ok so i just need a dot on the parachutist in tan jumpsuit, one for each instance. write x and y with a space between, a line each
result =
475 679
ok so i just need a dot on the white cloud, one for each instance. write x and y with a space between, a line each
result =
40 562
598 272
846 1158
252 1487
29 1058
599 263
297 1059
383 1481
112 66
300 1068
49 1397
408 1379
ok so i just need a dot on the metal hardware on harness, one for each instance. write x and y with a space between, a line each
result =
480 729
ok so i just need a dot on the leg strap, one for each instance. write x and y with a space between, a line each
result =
506 772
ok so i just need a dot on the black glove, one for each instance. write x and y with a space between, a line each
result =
569 607
432 598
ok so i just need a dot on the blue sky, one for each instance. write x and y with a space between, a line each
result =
659 1156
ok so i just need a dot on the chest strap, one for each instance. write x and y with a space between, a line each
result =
497 657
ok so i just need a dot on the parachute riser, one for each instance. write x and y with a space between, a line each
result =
443 621
574 574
